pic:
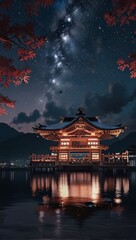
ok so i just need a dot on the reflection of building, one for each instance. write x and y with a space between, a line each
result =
119 185
76 187
68 186
78 138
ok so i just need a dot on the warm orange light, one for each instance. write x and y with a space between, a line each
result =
92 139
64 134
117 200
65 139
126 185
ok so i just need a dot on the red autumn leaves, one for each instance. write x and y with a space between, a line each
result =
29 52
123 12
24 41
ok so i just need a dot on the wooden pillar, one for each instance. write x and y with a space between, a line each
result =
90 155
68 156
57 159
100 155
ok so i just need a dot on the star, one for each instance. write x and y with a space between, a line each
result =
69 19
65 38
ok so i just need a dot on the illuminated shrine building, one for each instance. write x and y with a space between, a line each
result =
78 138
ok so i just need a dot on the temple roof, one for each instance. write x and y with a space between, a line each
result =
68 121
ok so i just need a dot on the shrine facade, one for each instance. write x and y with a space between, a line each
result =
79 138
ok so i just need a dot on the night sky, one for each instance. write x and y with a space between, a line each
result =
77 67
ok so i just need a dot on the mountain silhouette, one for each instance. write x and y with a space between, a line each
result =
123 144
7 132
21 147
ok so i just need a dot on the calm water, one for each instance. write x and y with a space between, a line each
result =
22 215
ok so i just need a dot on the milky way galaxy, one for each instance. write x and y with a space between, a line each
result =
76 67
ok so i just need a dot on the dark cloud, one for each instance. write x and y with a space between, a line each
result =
112 102
23 118
133 113
131 121
53 112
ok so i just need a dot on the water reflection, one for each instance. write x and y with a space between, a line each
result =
12 176
24 206
66 189
77 186
72 185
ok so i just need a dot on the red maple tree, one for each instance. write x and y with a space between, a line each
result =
123 12
25 42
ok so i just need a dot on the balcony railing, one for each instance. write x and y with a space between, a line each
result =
42 157
78 147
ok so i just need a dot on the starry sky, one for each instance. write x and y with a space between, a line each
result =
77 67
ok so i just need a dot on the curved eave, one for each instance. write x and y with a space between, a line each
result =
52 129
113 129
96 126
105 128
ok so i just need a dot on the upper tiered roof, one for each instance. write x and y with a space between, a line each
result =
66 122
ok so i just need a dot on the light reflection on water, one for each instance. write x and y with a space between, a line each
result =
23 216
80 185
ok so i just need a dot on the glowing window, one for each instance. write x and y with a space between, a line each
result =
65 143
63 156
95 156
92 143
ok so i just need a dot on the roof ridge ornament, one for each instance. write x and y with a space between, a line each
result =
80 112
